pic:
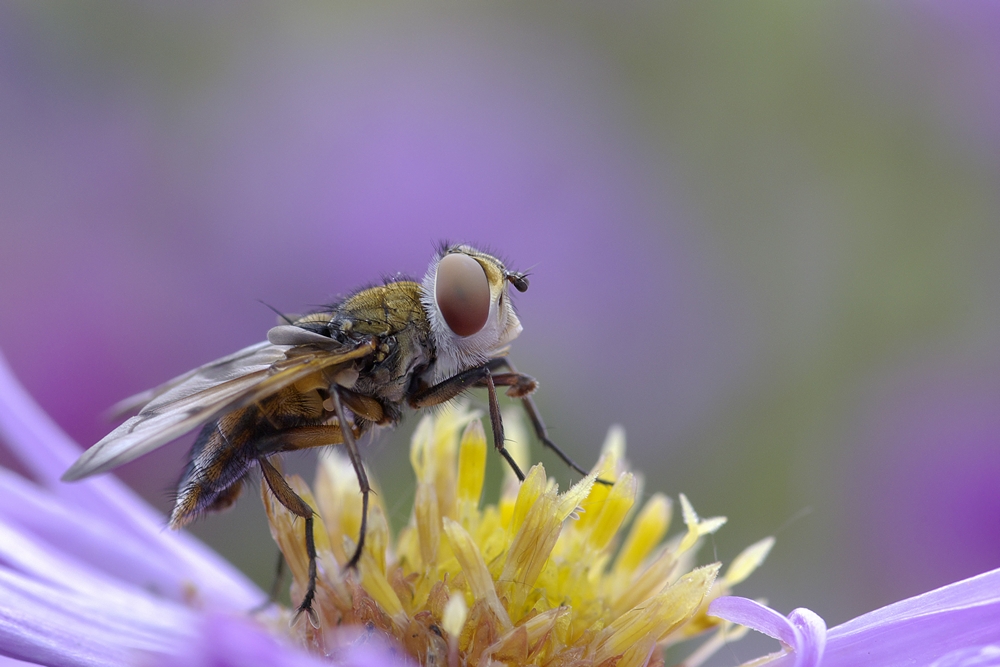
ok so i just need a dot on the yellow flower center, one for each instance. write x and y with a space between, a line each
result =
537 578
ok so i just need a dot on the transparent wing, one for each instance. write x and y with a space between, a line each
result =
246 358
208 392
255 357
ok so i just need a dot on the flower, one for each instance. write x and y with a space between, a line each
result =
89 576
536 578
957 625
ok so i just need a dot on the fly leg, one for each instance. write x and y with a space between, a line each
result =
304 437
497 423
519 386
480 376
351 445
294 504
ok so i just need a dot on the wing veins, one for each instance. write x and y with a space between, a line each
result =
164 420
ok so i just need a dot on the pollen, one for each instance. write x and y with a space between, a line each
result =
585 576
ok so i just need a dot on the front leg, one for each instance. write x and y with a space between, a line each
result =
479 376
519 386
446 390
517 383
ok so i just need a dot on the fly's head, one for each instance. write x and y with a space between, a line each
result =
466 296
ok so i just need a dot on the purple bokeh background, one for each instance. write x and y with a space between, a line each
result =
941 519
764 240
315 179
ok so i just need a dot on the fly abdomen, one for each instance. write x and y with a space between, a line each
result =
220 459
226 449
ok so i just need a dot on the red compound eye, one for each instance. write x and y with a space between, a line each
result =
462 293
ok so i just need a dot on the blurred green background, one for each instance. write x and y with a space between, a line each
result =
762 236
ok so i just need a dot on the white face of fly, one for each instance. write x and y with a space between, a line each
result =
472 319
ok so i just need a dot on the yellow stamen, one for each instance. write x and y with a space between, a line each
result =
748 561
617 504
425 510
375 583
646 583
696 526
647 531
659 615
478 577
536 578
472 464
528 494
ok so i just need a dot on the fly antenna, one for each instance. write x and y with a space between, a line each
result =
277 312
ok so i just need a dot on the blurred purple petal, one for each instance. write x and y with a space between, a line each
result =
224 641
374 656
94 541
54 626
181 566
87 583
928 465
976 656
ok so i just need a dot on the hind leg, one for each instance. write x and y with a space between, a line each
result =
294 504
304 437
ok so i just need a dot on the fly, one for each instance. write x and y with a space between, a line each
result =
328 378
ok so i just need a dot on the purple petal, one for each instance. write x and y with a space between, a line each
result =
22 554
958 624
51 625
46 452
753 614
226 641
924 628
976 656
978 590
804 632
95 542
921 639
812 633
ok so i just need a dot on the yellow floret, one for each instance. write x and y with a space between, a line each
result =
536 578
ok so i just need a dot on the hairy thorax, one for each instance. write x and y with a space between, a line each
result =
394 317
